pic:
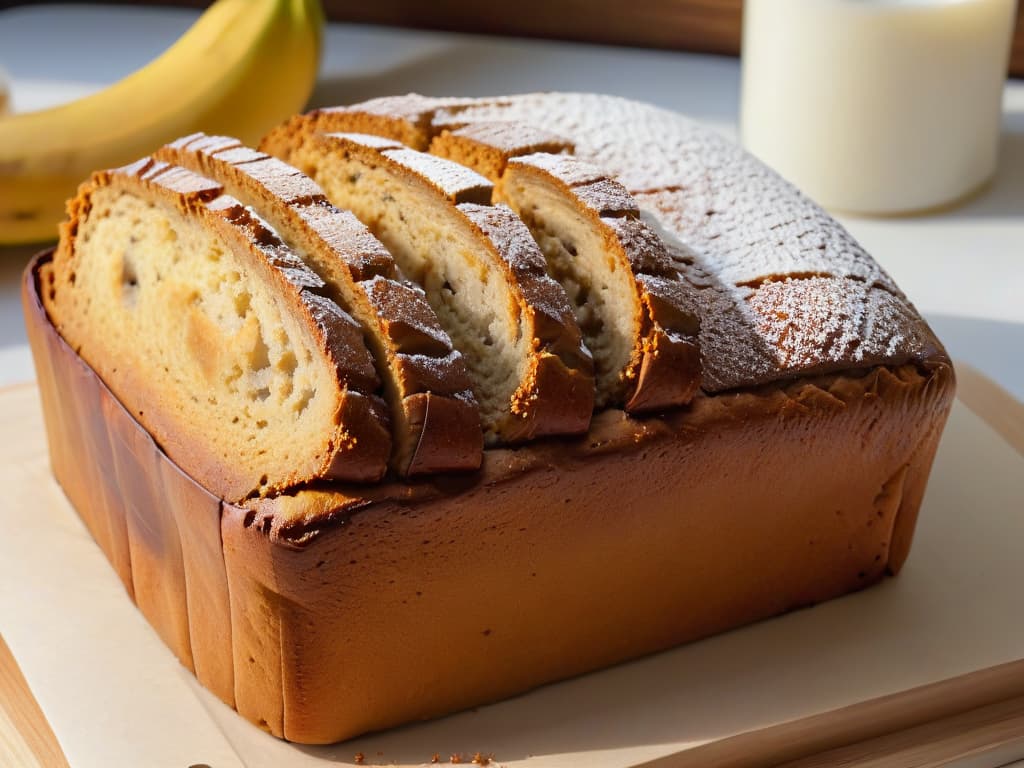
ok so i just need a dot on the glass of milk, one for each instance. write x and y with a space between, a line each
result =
876 106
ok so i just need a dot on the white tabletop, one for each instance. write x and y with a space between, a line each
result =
963 269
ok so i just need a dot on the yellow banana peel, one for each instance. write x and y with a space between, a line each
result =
243 67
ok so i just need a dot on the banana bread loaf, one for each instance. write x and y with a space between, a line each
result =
786 468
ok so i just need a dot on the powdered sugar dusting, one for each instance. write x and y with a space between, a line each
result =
367 140
457 182
514 138
607 198
831 318
395 302
748 242
646 253
571 170
510 237
410 106
705 186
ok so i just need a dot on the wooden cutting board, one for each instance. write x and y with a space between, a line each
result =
952 722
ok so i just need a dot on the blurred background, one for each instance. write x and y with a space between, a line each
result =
710 26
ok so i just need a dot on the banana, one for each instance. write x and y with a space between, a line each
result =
243 67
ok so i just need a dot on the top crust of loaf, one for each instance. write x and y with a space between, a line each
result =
434 415
354 448
736 227
406 119
733 227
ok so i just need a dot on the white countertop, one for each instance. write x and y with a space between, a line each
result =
964 269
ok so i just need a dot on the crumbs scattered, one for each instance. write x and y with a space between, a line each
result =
456 758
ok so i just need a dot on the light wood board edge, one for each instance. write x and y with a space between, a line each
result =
864 725
26 739
862 732
996 730
992 404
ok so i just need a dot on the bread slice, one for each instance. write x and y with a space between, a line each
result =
435 419
215 335
480 269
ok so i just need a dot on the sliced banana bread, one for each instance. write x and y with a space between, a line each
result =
636 313
215 335
290 606
480 269
435 419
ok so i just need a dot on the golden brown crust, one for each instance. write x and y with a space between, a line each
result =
414 355
714 496
357 445
307 615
